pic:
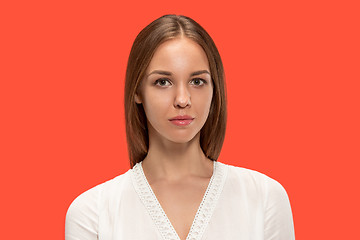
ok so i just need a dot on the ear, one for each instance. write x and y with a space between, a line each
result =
137 98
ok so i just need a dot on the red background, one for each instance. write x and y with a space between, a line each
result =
292 73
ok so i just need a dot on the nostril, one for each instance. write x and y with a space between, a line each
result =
182 103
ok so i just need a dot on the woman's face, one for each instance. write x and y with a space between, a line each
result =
176 91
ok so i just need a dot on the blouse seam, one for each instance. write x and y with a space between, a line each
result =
98 211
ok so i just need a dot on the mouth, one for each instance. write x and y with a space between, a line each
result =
181 120
183 117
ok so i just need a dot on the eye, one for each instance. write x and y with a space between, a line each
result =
198 81
163 82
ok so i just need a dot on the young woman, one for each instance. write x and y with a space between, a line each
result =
175 109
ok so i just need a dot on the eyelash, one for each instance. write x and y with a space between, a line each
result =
166 79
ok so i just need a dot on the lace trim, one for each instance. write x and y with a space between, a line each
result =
203 214
151 203
208 204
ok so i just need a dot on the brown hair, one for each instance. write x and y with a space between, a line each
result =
162 29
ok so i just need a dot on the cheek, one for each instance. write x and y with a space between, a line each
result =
156 104
205 98
202 102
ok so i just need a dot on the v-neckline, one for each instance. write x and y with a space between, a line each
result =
157 213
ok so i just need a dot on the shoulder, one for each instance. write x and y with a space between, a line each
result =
90 197
255 181
83 212
270 194
248 175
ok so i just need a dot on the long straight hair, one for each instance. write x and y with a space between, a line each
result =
162 29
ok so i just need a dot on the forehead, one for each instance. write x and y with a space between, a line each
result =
179 55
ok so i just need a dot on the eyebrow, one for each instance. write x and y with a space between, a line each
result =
166 73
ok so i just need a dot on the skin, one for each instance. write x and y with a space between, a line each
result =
177 82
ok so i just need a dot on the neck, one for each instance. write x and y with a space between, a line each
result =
173 161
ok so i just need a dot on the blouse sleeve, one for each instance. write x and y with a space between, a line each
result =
82 217
278 216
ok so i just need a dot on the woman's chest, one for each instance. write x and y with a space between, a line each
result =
180 202
214 209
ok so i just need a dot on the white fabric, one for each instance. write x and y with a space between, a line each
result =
238 204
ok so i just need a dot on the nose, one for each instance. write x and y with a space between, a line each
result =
182 97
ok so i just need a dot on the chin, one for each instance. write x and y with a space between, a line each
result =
180 141
182 138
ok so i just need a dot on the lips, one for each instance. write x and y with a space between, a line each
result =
181 120
183 117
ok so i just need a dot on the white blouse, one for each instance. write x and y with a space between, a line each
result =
238 204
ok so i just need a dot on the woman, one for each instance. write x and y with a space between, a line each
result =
175 123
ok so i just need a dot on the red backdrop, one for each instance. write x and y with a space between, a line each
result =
292 72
